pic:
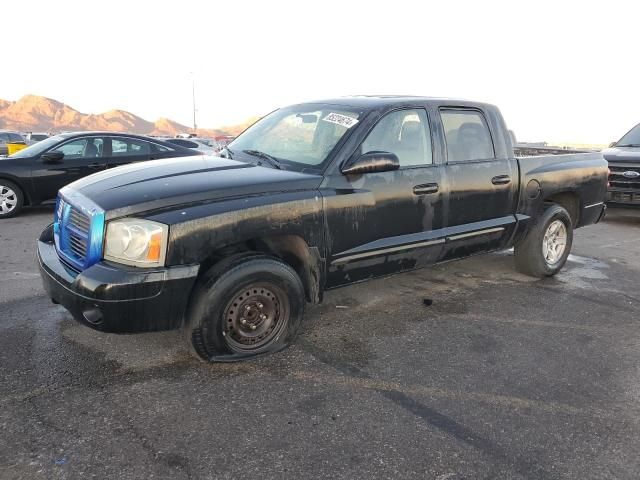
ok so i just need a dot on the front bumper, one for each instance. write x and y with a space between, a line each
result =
114 298
624 197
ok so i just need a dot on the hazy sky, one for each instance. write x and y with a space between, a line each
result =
560 71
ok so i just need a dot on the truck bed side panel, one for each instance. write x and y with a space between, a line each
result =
583 175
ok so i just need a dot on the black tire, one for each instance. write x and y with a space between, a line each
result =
17 197
530 258
212 328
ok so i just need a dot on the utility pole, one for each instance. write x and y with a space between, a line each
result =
193 97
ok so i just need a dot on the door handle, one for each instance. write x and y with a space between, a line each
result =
425 189
501 180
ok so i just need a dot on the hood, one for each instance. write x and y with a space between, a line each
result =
622 154
157 184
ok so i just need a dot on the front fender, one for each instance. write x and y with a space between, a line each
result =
195 232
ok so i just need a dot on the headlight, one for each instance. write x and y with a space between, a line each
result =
137 242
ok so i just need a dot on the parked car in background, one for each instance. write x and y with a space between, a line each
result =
624 167
35 174
202 145
35 137
224 140
311 197
9 136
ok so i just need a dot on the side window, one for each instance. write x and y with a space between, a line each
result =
160 148
82 148
467 135
183 143
129 146
14 137
405 133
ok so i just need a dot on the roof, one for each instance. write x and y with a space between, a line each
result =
382 101
99 132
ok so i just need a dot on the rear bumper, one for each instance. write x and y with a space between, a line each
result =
117 299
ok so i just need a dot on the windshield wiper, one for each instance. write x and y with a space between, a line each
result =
629 145
273 161
229 153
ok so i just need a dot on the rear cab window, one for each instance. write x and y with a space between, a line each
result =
467 135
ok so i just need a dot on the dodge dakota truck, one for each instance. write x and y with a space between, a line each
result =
311 197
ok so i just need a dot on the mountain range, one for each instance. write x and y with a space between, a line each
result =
33 113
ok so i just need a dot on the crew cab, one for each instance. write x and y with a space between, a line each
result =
311 197
35 174
624 166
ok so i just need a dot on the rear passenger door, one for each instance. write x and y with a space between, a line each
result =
124 150
482 188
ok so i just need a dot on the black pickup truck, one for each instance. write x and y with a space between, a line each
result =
312 197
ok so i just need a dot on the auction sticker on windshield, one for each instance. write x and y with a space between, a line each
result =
339 119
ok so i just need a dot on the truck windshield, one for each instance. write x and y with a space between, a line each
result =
631 138
301 136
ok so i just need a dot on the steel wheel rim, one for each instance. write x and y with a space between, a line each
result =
255 316
554 242
8 199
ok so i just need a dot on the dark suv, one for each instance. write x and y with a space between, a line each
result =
624 166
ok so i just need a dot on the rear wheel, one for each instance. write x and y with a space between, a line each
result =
545 249
11 199
245 307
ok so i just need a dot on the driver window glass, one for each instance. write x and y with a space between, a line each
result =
82 148
405 133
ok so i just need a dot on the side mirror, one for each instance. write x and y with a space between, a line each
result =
52 157
372 162
612 144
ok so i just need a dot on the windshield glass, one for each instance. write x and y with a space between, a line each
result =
300 136
38 148
632 137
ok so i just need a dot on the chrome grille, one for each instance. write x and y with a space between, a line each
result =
78 230
618 181
74 232
79 221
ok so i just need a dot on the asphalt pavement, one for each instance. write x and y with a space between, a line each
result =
500 377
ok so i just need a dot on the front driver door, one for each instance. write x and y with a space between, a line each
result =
383 223
82 156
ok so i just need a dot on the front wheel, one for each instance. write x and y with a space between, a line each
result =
245 307
545 249
11 199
